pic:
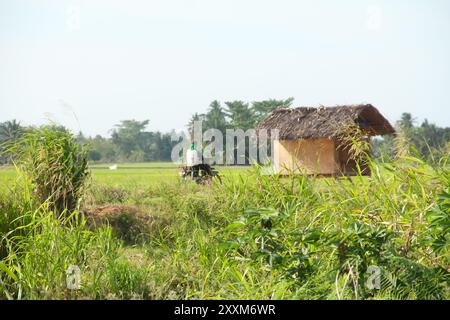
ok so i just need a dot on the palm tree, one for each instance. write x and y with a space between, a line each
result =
263 108
215 117
406 121
194 118
240 114
10 131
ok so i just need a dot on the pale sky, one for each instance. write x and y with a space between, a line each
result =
89 64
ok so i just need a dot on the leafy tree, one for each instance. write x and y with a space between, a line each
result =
431 138
406 121
94 155
215 117
240 114
129 137
261 109
166 146
104 146
428 139
10 133
194 118
161 147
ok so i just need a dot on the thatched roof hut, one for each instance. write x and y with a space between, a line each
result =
325 122
312 138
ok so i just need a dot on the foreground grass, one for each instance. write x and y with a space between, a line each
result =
251 237
7 177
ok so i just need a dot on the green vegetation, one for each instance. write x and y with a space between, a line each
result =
145 234
430 141
131 142
56 165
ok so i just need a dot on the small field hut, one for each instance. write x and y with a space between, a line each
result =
318 140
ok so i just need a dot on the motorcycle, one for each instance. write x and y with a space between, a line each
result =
201 173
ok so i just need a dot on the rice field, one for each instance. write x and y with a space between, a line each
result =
147 173
129 174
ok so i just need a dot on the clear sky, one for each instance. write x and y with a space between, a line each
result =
163 60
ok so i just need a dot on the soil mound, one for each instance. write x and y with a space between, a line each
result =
129 223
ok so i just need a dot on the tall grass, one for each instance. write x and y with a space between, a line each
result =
254 236
337 228
42 233
56 165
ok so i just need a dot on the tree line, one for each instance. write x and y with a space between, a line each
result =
425 139
237 114
131 141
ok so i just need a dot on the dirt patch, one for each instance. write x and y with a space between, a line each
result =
130 223
104 195
112 210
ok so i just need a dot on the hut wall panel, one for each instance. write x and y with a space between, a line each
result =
348 166
313 156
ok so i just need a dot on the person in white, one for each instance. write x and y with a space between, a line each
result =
194 160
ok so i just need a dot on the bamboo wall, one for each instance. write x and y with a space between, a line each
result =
313 156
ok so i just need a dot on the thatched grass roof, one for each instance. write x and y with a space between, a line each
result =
325 122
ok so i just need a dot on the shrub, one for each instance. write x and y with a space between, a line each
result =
56 165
